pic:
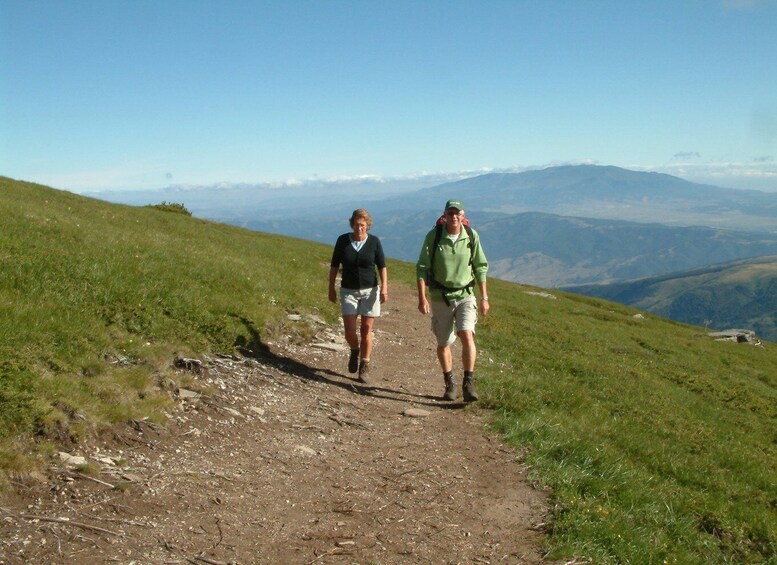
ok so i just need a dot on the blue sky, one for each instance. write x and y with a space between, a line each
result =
109 94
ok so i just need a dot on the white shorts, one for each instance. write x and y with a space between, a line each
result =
362 302
461 315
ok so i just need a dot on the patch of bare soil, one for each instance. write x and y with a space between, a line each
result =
290 460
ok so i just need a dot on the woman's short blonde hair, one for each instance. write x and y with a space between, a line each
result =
361 214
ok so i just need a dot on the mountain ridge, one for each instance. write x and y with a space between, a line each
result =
571 250
610 192
596 191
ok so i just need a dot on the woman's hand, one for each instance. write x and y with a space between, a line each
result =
332 295
383 297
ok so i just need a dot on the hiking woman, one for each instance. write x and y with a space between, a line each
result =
362 289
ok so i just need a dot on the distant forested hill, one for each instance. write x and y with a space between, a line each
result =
741 294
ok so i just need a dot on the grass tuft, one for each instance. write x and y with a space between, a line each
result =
172 207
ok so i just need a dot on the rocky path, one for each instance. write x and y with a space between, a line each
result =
287 459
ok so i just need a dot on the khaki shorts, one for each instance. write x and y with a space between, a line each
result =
447 321
362 302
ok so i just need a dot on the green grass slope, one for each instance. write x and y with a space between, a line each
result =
659 445
96 298
739 294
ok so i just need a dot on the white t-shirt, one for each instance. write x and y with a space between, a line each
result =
357 245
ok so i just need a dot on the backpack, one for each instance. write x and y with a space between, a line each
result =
430 282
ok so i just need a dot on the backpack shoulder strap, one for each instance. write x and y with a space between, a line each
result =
470 243
437 238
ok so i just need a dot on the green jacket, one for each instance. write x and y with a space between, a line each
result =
451 263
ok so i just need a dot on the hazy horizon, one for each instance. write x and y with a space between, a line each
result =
143 95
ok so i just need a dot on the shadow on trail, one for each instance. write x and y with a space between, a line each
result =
253 348
433 401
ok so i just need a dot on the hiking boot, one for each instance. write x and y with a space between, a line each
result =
469 389
364 368
450 388
353 361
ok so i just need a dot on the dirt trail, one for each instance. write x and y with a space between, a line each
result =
290 460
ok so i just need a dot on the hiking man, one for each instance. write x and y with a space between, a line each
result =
451 262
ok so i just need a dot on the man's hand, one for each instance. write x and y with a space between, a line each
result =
423 303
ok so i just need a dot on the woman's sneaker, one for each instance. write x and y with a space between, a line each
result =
353 361
364 368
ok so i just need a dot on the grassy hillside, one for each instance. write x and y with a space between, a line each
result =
742 294
96 299
658 444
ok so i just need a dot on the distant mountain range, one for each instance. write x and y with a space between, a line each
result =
542 247
741 294
556 227
588 191
553 227
551 251
609 193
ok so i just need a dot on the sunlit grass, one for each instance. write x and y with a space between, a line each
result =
658 442
96 299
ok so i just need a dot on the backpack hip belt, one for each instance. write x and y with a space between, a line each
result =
444 290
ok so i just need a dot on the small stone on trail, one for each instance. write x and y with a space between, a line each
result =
187 394
71 460
317 319
330 346
194 365
415 413
305 449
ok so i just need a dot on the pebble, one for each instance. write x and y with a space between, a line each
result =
416 413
